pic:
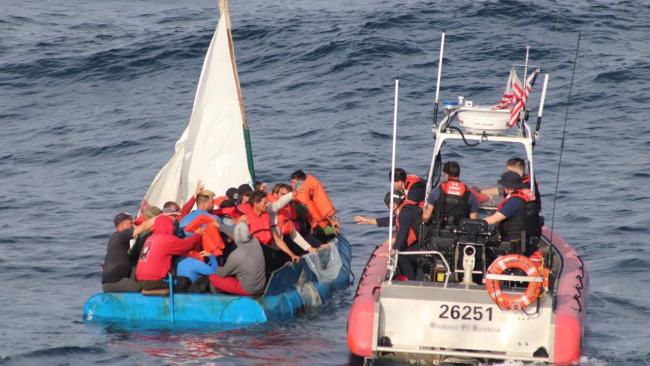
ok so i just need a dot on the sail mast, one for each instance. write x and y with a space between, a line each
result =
225 12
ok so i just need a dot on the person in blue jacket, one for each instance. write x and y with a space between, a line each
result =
189 269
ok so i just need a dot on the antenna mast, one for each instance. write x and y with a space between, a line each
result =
435 108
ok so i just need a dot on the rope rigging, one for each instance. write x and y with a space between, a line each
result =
566 118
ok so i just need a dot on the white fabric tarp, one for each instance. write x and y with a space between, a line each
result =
326 264
212 147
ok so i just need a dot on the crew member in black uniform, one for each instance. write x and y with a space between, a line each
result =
404 181
452 200
516 165
409 218
518 213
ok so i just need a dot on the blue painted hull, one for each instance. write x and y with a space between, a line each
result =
291 289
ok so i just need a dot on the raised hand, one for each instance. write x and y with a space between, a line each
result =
199 188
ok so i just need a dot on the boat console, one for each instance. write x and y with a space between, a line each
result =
473 243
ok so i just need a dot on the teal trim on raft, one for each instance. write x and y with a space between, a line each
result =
249 153
291 290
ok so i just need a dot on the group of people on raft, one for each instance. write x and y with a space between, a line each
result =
517 216
228 244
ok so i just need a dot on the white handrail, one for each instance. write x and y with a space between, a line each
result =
392 181
442 49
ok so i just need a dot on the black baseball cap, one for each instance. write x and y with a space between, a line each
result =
121 217
232 193
510 180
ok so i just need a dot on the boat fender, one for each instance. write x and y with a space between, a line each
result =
508 301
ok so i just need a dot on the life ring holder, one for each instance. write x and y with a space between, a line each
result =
495 275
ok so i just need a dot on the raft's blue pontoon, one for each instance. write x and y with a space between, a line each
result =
291 289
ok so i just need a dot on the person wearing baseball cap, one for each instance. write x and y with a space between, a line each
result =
117 273
245 192
122 221
232 197
516 165
518 213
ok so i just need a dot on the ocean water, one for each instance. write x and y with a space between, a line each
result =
93 95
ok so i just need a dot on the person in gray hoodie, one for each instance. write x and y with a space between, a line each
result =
244 271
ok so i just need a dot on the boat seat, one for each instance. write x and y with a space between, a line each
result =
156 292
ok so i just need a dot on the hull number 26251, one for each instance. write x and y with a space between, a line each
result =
465 312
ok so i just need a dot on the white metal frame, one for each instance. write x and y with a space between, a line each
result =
442 133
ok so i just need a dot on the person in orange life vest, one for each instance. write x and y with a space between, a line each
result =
409 218
311 193
398 198
259 224
204 207
452 200
283 219
118 274
237 204
245 193
201 217
518 213
156 258
228 207
404 181
516 165
232 197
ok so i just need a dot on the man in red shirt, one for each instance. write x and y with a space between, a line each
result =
156 257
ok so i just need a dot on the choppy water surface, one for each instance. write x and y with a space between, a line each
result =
93 95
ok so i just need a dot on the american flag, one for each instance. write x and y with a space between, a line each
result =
515 97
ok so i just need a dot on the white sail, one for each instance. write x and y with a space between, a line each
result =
212 148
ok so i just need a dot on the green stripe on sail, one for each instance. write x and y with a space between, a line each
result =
249 153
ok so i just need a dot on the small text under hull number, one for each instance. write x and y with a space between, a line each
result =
466 312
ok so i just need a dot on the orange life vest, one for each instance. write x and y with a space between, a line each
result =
219 200
412 237
258 226
286 217
411 179
313 196
211 240
233 212
526 218
525 194
453 187
453 202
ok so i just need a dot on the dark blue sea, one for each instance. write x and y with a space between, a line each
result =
93 95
